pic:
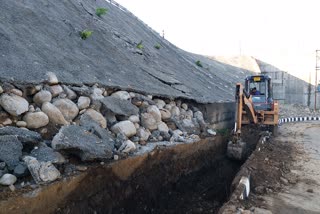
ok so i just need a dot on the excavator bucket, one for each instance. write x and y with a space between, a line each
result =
236 150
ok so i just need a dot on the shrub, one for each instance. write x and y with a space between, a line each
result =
157 46
139 45
101 11
85 34
198 63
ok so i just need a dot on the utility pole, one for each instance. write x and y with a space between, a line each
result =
316 80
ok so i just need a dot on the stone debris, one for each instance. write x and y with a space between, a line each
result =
42 172
127 146
83 102
13 104
8 179
36 120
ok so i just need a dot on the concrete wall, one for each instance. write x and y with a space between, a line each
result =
219 115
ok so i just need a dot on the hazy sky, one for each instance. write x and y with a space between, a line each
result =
281 32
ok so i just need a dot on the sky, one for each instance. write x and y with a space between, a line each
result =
284 33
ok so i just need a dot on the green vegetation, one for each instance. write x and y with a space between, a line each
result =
101 11
198 63
85 34
157 46
139 45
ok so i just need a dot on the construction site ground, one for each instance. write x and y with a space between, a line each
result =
285 172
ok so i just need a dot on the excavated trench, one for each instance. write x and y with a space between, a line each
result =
194 178
183 178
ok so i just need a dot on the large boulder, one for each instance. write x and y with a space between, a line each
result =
41 97
119 106
54 114
10 150
84 142
36 120
126 127
13 104
95 116
23 135
68 108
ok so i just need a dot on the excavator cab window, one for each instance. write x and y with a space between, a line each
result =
259 89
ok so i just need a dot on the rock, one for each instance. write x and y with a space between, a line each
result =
175 111
165 114
119 106
143 134
56 90
260 189
97 94
13 104
165 135
10 150
16 92
21 170
126 127
7 121
83 102
2 165
189 114
177 132
137 125
159 103
95 116
21 124
211 132
23 135
155 136
111 118
91 143
148 121
198 115
1 90
162 127
3 116
168 107
154 111
189 126
70 94
184 106
134 118
135 139
36 120
54 114
44 154
42 172
120 139
122 95
42 97
51 78
127 146
8 179
31 108
68 108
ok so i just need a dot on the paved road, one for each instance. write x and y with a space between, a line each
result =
304 195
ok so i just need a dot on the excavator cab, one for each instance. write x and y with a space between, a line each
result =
259 87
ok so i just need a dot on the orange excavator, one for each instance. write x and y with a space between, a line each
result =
254 105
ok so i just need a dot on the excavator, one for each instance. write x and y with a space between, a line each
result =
254 105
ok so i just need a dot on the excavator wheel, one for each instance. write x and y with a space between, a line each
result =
236 150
